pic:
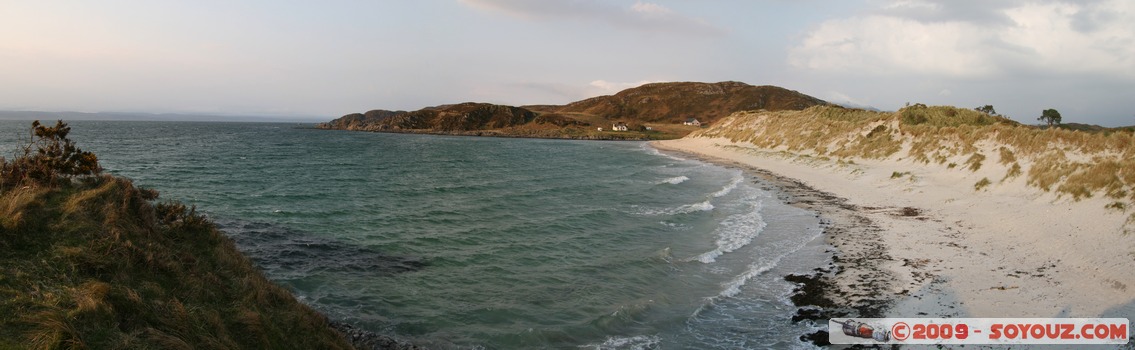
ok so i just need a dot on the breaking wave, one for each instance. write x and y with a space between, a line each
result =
634 343
674 180
735 232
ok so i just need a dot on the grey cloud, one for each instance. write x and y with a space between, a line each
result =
1093 17
982 12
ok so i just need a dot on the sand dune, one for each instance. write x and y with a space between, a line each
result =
1006 250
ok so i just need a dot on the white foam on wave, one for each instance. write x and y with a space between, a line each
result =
736 180
636 342
766 263
654 151
736 231
684 209
674 180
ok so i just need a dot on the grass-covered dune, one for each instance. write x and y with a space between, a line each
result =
91 261
1067 163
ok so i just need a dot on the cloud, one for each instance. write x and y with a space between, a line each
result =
640 16
976 39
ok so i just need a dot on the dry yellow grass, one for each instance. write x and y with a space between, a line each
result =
1074 163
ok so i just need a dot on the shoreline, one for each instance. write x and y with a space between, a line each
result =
854 237
498 134
925 244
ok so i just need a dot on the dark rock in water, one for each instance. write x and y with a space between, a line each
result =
820 338
364 339
811 290
281 250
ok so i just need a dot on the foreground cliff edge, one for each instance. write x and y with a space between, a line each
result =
91 261
977 215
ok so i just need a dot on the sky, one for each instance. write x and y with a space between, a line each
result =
324 59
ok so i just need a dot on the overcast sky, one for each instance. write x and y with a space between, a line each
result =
333 57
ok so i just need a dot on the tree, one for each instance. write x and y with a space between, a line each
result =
1050 116
987 109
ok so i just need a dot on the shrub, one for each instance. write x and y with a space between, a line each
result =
48 158
177 216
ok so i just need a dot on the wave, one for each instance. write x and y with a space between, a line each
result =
738 177
684 209
654 151
635 343
763 264
735 232
673 181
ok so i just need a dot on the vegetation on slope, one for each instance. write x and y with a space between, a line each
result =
1067 162
91 261
661 106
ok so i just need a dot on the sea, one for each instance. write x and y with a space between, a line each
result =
486 243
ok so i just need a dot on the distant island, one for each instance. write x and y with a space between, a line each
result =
648 112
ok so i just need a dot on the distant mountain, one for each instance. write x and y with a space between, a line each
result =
651 111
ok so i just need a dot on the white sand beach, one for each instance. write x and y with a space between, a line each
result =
1007 250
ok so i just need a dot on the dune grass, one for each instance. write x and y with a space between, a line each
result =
1066 162
92 262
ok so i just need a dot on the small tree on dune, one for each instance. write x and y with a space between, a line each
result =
1050 116
987 109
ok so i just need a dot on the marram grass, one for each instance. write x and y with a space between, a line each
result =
1067 162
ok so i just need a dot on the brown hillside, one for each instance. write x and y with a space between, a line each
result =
674 102
458 117
655 111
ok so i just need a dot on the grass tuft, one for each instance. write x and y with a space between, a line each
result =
974 161
1007 156
981 184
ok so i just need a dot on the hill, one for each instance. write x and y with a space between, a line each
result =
651 111
92 261
674 102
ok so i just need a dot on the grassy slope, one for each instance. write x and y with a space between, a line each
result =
96 264
1068 162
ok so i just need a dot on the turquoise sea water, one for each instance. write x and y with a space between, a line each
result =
465 242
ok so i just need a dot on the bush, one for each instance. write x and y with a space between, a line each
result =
48 158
